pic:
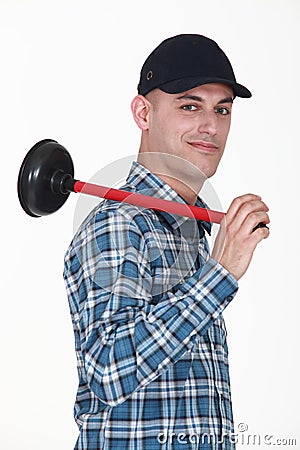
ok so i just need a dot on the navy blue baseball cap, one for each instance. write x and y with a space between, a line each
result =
185 61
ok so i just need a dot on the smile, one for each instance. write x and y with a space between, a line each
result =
204 146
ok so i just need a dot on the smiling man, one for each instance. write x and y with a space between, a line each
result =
146 297
171 125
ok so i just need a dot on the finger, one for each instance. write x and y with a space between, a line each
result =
244 211
253 219
259 234
237 203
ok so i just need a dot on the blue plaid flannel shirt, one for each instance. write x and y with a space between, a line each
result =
146 303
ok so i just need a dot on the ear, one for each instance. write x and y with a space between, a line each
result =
140 109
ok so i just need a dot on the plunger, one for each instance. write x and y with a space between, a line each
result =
46 180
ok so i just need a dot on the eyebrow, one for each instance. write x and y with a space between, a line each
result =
199 99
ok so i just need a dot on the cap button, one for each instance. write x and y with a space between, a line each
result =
149 75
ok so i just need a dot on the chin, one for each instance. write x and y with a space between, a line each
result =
206 166
208 172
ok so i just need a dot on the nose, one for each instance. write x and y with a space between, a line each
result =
208 123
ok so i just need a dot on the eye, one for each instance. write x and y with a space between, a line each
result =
189 107
223 111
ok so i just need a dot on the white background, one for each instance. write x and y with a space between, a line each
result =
69 70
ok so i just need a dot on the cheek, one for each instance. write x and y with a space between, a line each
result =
224 130
170 130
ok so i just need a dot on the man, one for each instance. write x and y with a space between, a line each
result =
146 298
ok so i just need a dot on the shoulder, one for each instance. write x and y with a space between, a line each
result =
119 217
115 223
112 239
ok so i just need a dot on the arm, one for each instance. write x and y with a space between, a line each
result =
128 341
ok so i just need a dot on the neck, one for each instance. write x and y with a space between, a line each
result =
181 188
185 178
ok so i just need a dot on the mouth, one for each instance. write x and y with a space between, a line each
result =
204 146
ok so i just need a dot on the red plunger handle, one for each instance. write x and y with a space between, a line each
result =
146 201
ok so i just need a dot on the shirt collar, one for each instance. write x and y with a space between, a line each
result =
142 180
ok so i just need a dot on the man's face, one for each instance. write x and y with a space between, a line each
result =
193 125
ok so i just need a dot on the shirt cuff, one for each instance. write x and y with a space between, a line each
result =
213 285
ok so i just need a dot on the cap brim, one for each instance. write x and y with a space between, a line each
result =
185 84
